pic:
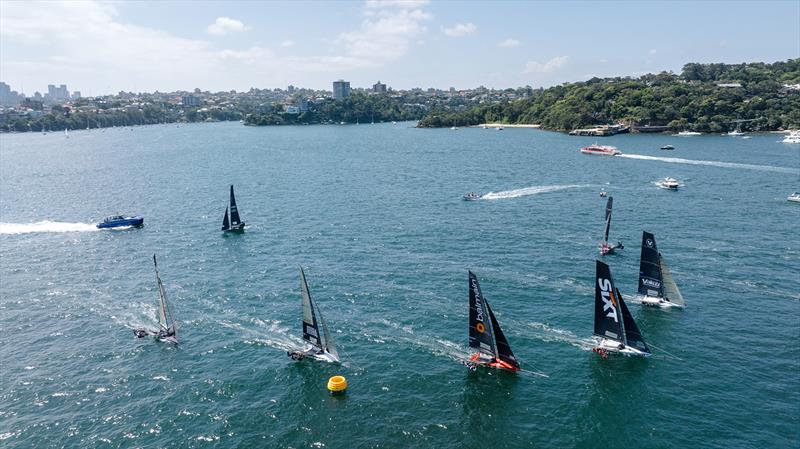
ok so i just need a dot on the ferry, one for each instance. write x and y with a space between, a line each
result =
117 221
602 150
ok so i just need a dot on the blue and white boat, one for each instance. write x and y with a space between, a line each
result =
118 221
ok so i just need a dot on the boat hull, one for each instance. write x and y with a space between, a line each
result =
125 222
614 346
237 228
654 301
476 360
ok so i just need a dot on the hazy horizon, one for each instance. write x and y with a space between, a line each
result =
102 48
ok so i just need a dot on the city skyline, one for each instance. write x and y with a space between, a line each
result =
103 48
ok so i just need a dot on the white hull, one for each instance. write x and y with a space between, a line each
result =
614 346
172 339
311 353
655 301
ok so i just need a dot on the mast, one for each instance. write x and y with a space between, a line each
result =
311 332
607 322
607 228
481 334
225 224
650 273
234 211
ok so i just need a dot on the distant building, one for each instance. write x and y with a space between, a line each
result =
341 89
292 110
302 105
290 89
57 94
190 101
76 95
379 88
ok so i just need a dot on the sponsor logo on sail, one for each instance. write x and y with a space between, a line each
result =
609 302
480 327
478 305
649 243
651 283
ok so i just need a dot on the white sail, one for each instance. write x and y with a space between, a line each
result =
165 320
670 288
328 341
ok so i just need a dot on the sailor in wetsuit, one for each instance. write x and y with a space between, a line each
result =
166 333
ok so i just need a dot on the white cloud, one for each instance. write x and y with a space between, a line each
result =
287 43
396 3
385 35
224 25
549 66
508 43
460 29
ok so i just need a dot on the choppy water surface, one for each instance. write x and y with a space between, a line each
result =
374 213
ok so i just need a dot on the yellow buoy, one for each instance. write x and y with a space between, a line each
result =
337 385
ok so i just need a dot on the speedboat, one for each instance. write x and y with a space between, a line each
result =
793 137
689 133
117 221
795 197
735 133
471 196
669 183
602 150
667 147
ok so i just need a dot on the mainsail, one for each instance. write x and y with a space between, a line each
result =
225 223
609 204
235 220
313 321
607 322
165 320
650 272
481 336
671 291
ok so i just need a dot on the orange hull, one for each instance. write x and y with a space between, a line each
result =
496 363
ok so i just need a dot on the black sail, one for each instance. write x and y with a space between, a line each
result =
503 348
225 224
481 335
311 329
234 211
609 204
607 323
633 336
651 281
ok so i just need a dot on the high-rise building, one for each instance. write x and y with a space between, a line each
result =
379 88
56 94
76 95
190 100
341 89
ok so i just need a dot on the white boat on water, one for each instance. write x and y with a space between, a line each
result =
792 137
689 133
471 196
668 183
602 150
735 133
795 197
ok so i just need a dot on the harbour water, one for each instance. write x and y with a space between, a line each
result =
374 215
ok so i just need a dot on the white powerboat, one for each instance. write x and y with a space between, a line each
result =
793 137
602 150
689 133
795 197
669 183
471 196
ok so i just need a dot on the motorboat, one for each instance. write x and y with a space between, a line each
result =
735 133
602 150
795 197
669 183
471 196
689 133
793 137
667 147
117 221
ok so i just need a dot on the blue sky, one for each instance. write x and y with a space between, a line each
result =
104 47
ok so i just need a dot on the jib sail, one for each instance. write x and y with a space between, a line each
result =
633 337
225 223
671 291
503 349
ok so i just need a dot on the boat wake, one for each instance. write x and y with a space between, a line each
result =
270 333
534 190
551 334
677 160
45 226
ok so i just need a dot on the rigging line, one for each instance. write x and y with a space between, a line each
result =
665 352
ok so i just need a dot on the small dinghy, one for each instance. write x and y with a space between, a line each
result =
235 223
315 330
614 328
485 334
167 325
471 196
656 285
605 247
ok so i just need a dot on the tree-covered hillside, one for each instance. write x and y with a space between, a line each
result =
704 97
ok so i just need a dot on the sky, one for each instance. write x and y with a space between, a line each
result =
104 47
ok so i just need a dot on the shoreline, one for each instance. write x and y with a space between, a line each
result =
493 125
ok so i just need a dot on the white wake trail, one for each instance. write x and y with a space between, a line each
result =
677 160
45 226
533 190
